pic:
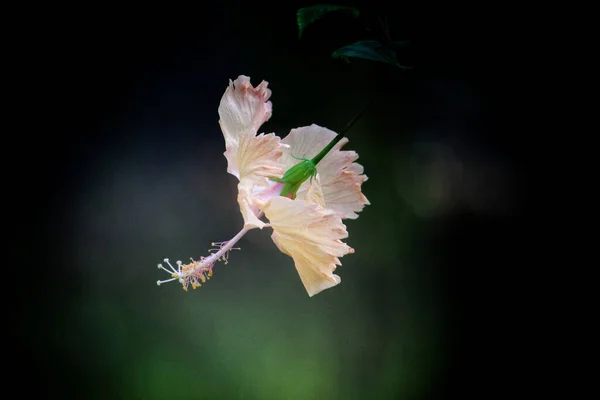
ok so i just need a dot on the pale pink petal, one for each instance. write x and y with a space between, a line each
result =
314 192
305 142
243 109
253 194
311 235
248 207
341 178
256 157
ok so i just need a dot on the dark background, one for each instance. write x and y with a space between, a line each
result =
129 170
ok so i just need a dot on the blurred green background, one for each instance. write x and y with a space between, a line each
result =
140 175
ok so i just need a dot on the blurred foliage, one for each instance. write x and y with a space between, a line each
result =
308 15
382 50
370 50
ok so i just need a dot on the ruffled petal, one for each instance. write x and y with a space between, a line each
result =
314 192
257 157
341 177
311 235
305 142
248 207
253 194
243 109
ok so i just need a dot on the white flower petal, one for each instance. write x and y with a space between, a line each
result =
248 208
243 109
311 235
256 157
341 177
314 192
253 194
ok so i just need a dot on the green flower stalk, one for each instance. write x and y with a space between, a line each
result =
299 173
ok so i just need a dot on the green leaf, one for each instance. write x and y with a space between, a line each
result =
307 15
370 50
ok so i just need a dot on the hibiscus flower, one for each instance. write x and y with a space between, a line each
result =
304 202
